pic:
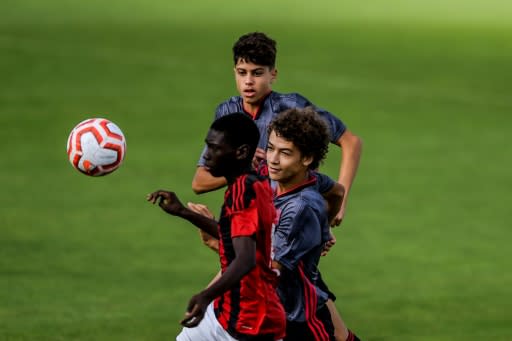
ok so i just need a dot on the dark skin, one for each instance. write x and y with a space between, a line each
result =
222 159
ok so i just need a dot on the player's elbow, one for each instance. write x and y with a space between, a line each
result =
356 143
197 187
349 140
338 193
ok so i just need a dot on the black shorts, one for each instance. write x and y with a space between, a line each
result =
322 329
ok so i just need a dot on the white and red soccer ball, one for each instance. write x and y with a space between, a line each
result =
96 147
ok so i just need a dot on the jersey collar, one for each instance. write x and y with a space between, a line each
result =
256 114
311 180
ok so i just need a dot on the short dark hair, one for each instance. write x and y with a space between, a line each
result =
306 129
257 48
238 129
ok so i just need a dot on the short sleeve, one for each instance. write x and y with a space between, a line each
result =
298 231
323 183
243 208
336 126
244 223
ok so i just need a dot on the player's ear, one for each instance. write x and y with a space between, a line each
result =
273 73
307 160
242 152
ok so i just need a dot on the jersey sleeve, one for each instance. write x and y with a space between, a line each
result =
323 183
298 231
244 214
244 223
336 126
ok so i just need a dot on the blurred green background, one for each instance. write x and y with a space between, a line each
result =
424 250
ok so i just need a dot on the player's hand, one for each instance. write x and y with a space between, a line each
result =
336 221
329 244
195 311
201 209
206 238
168 201
209 240
259 156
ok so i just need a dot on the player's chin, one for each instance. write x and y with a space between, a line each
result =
252 99
274 176
215 171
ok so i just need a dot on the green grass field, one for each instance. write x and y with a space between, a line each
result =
424 250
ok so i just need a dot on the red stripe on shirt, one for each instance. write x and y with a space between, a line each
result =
310 302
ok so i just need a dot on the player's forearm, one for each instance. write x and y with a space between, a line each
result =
352 147
204 182
244 262
334 198
206 224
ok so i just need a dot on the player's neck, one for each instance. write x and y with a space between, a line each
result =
292 183
252 108
238 170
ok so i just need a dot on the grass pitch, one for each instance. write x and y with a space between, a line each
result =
423 253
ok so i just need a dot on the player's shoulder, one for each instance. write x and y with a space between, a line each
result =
229 106
249 186
291 97
248 181
310 196
282 101
302 201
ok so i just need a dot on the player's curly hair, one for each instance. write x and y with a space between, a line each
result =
257 48
306 129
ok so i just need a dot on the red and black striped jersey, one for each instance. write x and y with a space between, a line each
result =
252 307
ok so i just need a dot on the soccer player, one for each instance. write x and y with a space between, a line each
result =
242 304
298 142
254 56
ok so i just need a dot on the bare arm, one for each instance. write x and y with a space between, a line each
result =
334 199
207 239
170 203
351 149
245 261
204 182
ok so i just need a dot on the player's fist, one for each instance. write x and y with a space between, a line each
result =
195 311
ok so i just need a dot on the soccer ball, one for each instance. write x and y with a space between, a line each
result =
96 147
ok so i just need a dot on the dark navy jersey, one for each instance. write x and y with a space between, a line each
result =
301 231
272 105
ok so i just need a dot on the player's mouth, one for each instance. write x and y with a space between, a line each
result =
249 93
